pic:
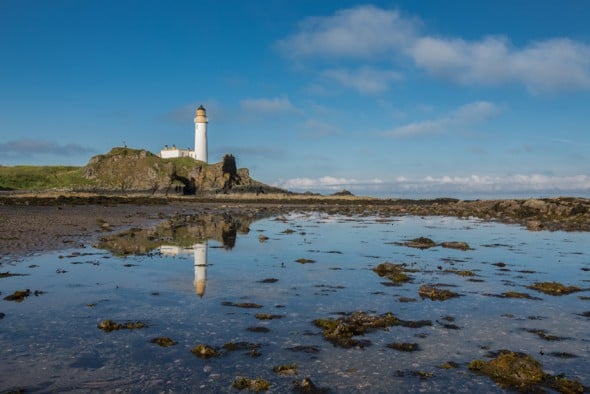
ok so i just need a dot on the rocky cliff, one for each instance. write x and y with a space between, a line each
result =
127 169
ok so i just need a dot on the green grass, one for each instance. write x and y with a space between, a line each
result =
41 177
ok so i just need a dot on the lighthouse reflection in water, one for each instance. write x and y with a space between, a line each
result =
199 252
182 238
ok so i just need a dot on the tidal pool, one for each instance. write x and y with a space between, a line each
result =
206 280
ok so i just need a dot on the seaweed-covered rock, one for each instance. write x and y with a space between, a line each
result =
512 369
455 245
544 335
247 305
420 243
257 384
554 288
524 373
449 365
404 346
204 351
268 316
393 272
259 329
516 294
8 274
109 325
163 341
306 386
435 293
303 260
253 349
18 295
460 272
286 369
565 385
341 331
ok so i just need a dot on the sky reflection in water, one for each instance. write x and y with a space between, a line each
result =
51 342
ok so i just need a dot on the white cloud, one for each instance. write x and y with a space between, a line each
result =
461 61
369 33
268 105
358 32
364 79
466 115
544 66
472 185
486 183
325 183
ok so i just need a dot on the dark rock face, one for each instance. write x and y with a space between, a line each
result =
230 173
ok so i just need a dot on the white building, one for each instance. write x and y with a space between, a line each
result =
200 151
169 153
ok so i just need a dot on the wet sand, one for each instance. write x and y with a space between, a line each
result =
26 230
32 224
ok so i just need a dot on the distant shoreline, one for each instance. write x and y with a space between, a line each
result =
43 221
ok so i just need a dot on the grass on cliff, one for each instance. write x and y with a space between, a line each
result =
41 177
36 178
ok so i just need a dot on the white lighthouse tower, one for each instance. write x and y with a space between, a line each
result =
201 134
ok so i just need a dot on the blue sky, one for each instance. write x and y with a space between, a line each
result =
384 98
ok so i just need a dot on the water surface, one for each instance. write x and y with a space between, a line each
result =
182 285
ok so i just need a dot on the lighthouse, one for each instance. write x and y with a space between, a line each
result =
200 152
201 134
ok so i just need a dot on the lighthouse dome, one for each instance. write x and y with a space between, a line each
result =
201 115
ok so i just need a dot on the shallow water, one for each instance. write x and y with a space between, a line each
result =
51 342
